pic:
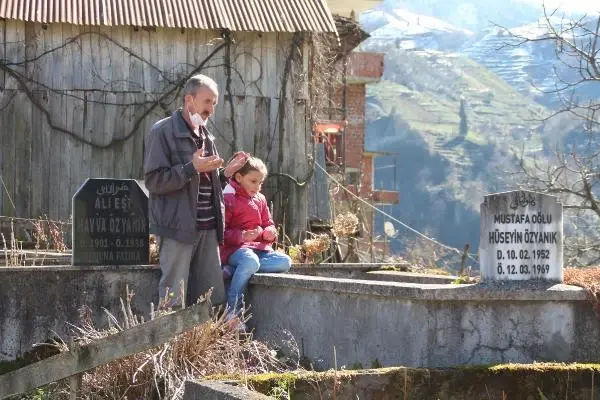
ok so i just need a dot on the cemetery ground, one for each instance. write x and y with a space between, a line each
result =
215 350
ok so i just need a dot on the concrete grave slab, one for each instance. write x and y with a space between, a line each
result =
216 390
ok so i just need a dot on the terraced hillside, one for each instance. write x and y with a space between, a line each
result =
425 90
441 172
527 67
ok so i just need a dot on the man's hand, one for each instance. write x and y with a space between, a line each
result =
252 235
206 164
237 161
270 234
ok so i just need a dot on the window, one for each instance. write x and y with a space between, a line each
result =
353 178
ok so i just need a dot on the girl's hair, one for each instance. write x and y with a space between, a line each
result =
253 164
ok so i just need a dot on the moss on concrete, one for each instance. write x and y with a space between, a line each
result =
523 381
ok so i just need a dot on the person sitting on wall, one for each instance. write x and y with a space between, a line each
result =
249 233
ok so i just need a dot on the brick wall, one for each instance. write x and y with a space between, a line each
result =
365 65
355 131
367 176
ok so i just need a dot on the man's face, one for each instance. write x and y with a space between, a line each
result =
203 102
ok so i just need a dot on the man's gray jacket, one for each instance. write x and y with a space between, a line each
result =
172 180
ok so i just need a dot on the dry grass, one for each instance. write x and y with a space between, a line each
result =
345 225
588 278
423 255
47 235
214 348
13 252
311 250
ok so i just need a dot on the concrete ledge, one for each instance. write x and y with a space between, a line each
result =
347 266
408 277
516 381
415 291
346 270
368 272
215 390
38 302
76 268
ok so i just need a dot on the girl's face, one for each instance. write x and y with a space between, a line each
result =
251 182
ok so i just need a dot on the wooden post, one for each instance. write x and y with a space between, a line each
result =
122 344
75 380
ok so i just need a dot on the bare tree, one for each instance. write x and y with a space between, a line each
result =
573 171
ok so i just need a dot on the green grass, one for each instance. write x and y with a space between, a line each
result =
476 138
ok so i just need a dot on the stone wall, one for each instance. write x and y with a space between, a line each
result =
424 325
38 302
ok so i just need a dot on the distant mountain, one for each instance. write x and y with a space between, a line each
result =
471 15
532 67
408 30
528 67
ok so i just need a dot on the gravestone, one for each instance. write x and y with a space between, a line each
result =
110 223
521 237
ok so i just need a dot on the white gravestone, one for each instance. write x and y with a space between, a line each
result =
521 237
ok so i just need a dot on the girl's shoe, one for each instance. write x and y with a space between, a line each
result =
235 322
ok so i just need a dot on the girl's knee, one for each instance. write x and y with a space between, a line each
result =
249 264
285 263
245 259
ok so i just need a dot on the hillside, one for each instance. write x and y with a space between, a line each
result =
460 97
441 172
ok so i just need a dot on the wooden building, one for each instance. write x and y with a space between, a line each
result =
82 81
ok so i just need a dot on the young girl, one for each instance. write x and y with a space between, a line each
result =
249 232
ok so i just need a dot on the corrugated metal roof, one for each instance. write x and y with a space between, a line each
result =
236 15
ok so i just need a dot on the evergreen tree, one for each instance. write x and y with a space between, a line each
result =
463 128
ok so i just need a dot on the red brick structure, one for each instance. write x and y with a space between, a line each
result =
348 155
342 135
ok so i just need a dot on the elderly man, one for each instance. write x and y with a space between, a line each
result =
182 172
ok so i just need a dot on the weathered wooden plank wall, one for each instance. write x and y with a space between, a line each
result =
81 105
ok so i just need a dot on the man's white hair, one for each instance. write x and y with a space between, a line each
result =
196 82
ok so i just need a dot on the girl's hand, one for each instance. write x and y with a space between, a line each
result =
251 235
270 234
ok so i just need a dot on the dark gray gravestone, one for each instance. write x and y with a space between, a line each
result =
110 223
521 237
